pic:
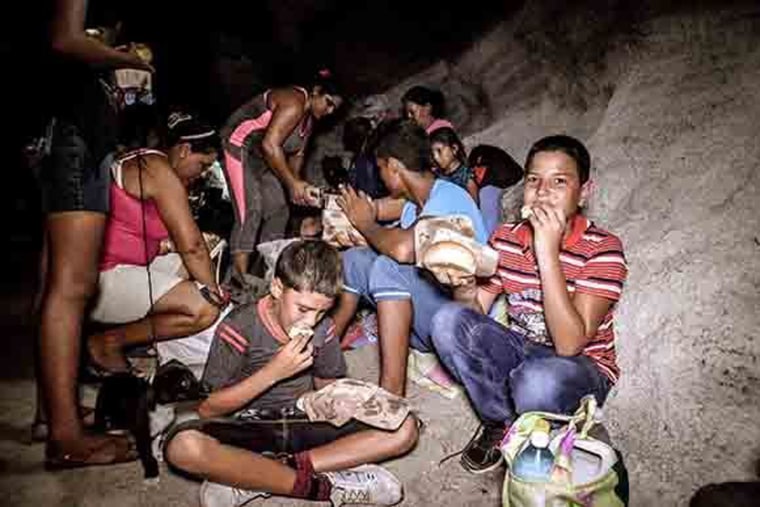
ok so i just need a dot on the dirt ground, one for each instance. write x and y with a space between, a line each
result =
23 482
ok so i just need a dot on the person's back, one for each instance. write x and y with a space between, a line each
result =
446 198
129 240
363 172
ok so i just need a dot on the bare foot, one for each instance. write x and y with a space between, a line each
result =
89 450
39 428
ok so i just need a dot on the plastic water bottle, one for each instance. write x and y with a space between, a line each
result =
535 462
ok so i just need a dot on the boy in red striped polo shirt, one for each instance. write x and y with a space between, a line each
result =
562 276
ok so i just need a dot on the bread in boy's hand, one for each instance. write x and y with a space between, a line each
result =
451 257
526 212
300 331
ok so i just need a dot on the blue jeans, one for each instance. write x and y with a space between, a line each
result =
504 375
376 278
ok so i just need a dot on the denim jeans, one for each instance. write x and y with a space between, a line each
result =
376 278
72 179
504 375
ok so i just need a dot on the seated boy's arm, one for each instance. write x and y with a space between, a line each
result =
573 320
229 399
389 208
292 358
474 296
394 242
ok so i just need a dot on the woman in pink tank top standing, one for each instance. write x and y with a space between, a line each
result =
425 107
149 206
264 147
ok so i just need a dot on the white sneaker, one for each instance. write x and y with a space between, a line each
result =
214 494
366 484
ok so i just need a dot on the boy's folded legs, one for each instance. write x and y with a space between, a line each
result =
304 463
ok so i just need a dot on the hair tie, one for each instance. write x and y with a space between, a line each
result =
201 135
324 73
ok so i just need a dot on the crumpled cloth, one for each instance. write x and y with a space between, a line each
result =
347 399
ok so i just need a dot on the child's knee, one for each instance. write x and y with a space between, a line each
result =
185 449
536 387
205 315
406 435
455 328
445 325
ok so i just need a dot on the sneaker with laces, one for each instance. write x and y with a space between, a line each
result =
366 484
214 494
482 453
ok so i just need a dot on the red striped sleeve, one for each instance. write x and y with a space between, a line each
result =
495 284
330 332
232 337
605 272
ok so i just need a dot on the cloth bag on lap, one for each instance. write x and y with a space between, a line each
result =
586 471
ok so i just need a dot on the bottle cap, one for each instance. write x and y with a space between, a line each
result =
539 437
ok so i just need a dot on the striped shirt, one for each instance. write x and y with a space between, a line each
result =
593 263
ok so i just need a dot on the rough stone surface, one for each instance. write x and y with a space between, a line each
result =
668 104
670 113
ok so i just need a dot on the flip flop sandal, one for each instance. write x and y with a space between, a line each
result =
39 428
110 451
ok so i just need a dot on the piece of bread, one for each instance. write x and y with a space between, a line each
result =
451 256
296 331
526 212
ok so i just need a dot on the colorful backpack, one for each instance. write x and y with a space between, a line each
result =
587 472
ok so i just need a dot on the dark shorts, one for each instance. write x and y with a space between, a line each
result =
71 178
286 433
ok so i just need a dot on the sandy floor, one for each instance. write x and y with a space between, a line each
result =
449 425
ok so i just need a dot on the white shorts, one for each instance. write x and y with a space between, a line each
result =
123 290
192 351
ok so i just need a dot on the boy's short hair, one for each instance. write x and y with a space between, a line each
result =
311 266
405 141
570 146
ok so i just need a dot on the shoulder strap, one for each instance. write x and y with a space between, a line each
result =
116 166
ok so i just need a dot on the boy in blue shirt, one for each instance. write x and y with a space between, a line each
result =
384 273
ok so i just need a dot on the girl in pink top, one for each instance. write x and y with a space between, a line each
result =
425 107
149 205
